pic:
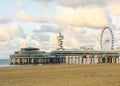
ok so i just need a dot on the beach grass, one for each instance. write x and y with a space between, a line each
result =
61 75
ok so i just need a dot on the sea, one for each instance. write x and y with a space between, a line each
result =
5 63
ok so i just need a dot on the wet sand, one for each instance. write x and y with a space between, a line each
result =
61 75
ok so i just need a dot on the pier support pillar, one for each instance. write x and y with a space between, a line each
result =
18 60
22 60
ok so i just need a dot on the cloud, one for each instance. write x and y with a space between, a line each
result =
47 1
76 3
82 3
10 46
44 3
49 28
113 8
15 29
41 37
21 15
91 17
4 20
4 34
108 5
19 4
11 31
43 40
87 39
12 37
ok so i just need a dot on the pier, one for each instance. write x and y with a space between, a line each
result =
35 56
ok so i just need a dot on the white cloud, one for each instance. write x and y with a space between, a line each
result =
113 7
13 30
19 4
92 17
4 34
21 15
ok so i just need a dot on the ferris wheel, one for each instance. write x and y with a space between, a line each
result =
107 39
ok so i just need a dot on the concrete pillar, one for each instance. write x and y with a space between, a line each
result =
48 60
39 60
57 60
98 59
28 61
101 60
44 60
22 60
18 60
114 59
32 60
13 60
106 59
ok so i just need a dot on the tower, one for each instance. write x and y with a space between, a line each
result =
60 41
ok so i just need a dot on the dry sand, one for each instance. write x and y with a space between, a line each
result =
61 75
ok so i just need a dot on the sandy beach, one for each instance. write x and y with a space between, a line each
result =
61 75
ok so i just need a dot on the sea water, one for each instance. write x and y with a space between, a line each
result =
5 63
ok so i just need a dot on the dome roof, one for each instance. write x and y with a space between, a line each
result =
29 49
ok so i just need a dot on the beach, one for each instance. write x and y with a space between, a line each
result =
61 75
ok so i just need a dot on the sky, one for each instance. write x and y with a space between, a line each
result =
36 23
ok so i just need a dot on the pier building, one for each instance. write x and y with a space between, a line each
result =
35 56
32 56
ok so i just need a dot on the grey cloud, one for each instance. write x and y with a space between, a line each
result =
77 3
44 2
21 33
4 20
47 28
18 31
40 37
40 20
